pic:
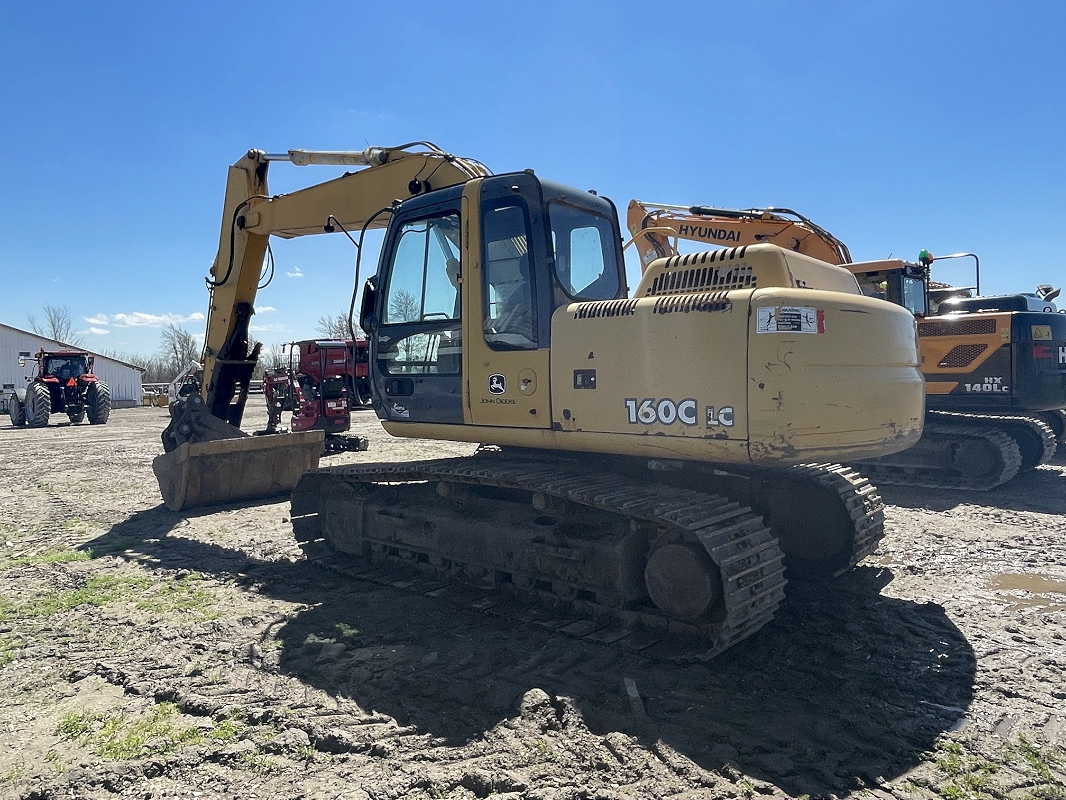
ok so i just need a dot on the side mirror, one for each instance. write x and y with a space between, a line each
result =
366 308
22 361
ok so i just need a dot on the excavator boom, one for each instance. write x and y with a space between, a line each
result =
208 458
656 227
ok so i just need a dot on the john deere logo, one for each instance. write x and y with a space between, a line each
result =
497 384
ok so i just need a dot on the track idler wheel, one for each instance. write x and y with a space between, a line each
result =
682 580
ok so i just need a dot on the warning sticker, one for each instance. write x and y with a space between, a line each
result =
790 319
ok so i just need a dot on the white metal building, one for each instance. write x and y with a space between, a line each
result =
124 380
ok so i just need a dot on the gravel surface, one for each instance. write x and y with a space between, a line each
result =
151 654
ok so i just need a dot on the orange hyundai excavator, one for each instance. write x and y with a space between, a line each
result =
995 367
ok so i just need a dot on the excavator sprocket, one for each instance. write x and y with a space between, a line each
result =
591 553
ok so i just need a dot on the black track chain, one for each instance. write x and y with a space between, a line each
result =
1038 426
935 477
1061 414
746 552
859 498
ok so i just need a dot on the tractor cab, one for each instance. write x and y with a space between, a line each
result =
64 367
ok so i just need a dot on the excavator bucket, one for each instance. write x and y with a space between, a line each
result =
226 470
209 462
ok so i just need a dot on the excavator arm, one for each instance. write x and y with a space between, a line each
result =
654 225
207 458
251 216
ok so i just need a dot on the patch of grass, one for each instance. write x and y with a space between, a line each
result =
228 730
1040 760
544 751
114 737
259 762
345 630
951 791
747 788
181 594
58 556
951 764
979 778
99 590
12 774
56 760
75 726
9 647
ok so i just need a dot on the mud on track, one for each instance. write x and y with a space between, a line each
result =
145 653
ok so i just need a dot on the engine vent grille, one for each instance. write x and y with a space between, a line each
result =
605 308
962 355
957 327
707 301
715 279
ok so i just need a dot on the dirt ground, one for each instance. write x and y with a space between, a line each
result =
151 654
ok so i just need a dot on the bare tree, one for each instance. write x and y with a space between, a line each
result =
178 348
404 307
335 327
57 325
275 356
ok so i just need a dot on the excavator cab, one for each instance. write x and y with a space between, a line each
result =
450 317
896 281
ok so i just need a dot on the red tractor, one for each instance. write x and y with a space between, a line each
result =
64 383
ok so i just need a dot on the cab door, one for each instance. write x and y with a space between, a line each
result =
506 297
417 349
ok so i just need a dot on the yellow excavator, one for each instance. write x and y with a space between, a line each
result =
995 367
650 463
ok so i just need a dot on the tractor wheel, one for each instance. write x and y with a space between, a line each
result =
98 400
38 405
18 414
77 416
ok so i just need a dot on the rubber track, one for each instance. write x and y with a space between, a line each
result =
747 554
934 477
859 498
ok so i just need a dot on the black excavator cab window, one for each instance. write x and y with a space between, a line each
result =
422 300
903 287
508 291
583 242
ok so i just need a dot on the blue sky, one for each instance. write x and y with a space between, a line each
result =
896 126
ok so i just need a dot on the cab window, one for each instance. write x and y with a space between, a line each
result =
585 255
422 283
420 317
508 313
